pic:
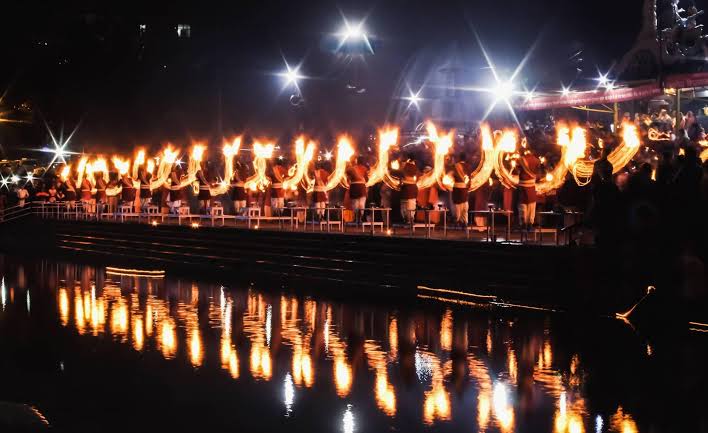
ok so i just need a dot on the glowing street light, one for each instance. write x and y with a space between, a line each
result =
529 95
60 150
352 37
3 182
504 90
602 80
291 76
413 98
15 178
352 32
565 91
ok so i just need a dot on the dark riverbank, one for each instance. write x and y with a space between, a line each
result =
557 277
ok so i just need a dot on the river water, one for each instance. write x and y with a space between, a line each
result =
89 349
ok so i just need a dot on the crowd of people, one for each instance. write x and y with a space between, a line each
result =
663 175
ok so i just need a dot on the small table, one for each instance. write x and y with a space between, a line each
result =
491 230
384 211
427 223
328 221
294 212
560 222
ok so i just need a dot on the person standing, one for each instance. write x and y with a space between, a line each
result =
145 194
529 165
277 195
460 190
22 195
113 182
128 191
409 189
175 197
204 196
357 175
69 187
101 197
319 196
238 191
86 197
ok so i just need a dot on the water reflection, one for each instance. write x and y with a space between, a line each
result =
442 367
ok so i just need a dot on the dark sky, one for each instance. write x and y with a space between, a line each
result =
125 90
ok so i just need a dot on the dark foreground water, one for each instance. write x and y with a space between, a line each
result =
90 351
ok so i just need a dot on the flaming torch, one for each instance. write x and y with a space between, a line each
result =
555 179
626 151
80 170
123 167
230 151
169 157
193 166
65 172
259 180
99 165
379 173
296 173
344 153
442 144
505 143
481 174
139 160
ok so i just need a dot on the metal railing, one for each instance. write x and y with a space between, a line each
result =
77 210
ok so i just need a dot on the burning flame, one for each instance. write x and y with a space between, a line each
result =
230 151
123 166
379 172
624 153
345 151
65 172
303 156
482 173
505 143
259 181
442 144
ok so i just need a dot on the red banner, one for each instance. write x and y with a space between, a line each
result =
592 97
686 81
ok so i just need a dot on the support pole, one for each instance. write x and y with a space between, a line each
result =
615 113
678 110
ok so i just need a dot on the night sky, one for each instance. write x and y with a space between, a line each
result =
87 62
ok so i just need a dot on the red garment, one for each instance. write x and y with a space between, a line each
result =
85 190
357 181
320 194
529 165
101 190
276 188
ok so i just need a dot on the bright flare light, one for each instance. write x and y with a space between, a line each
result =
504 90
352 32
602 80
413 98
291 76
565 91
